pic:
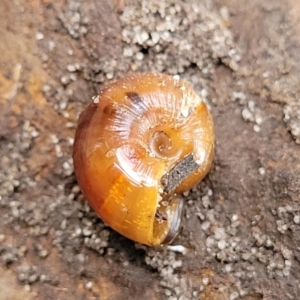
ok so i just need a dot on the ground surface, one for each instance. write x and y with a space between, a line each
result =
241 225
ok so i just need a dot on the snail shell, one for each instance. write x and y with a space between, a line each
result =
144 140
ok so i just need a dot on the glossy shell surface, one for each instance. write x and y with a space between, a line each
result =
144 140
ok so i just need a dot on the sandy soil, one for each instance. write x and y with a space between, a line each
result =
241 225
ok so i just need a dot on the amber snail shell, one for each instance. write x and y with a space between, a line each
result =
145 139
